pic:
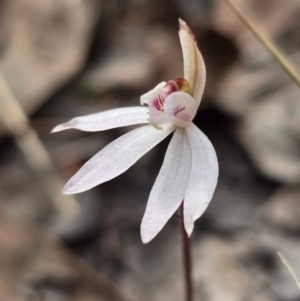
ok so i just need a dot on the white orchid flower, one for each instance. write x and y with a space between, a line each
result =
190 169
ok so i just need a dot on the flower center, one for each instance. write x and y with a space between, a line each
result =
179 84
171 102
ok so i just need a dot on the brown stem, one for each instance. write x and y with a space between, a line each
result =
187 258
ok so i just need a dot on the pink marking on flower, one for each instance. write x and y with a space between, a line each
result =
159 102
178 110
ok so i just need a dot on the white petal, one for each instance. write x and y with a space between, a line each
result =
107 120
116 158
157 118
203 177
169 188
180 108
150 96
194 67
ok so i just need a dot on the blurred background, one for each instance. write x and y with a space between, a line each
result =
65 58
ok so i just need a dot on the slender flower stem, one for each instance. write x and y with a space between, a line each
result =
187 258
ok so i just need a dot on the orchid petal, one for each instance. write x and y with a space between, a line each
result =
107 120
150 96
180 108
194 67
116 158
169 188
203 177
156 117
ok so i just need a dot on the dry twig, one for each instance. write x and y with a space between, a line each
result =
16 122
267 42
289 268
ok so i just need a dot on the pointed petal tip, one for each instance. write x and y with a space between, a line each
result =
67 189
146 238
146 232
189 224
58 128
189 227
183 26
62 127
